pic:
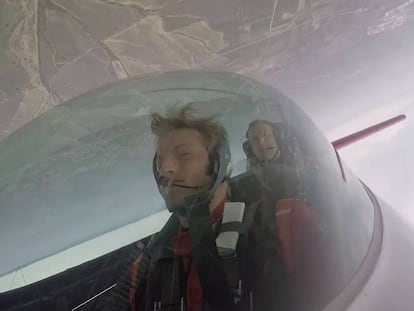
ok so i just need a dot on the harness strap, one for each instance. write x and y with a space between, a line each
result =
234 226
249 214
172 291
212 269
166 233
209 266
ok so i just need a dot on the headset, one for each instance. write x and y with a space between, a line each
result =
220 168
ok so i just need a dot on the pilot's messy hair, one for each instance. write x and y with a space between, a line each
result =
184 117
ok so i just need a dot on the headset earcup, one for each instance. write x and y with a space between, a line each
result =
155 170
222 165
212 170
247 149
229 169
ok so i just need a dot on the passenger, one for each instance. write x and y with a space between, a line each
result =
202 259
262 144
278 165
273 156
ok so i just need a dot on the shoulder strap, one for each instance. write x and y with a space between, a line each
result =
230 229
166 233
249 214
206 258
234 260
205 255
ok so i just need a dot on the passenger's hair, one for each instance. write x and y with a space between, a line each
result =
213 133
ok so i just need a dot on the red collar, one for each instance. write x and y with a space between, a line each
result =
217 212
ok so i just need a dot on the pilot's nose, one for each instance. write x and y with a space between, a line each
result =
167 167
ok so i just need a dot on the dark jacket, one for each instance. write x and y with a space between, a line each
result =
282 262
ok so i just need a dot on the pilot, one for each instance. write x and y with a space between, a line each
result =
194 262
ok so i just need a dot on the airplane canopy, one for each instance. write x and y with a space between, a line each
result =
84 168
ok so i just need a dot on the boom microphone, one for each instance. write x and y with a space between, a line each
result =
188 187
164 182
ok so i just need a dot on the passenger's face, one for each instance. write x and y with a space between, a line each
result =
263 141
182 160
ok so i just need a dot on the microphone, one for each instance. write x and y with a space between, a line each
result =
188 187
165 182
182 209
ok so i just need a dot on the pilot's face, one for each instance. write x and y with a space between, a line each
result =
182 160
263 141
